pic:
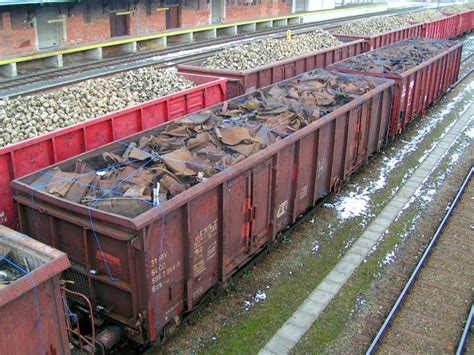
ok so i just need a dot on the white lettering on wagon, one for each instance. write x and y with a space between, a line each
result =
211 250
410 91
203 241
282 208
304 192
3 219
160 272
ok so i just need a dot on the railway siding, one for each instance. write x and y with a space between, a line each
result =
433 314
297 325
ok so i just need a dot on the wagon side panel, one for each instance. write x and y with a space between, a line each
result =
105 267
22 158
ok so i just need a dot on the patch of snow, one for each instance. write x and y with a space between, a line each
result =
315 247
470 133
260 296
357 203
412 145
248 305
362 302
428 195
348 244
389 258
372 251
454 158
411 200
351 206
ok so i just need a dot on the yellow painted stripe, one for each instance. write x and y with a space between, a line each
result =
173 33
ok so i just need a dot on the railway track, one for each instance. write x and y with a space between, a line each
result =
429 314
25 84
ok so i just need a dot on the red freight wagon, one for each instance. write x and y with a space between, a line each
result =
22 158
416 88
383 39
31 309
240 82
466 22
445 28
166 260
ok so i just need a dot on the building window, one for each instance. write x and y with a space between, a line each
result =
148 7
118 5
195 5
87 13
19 18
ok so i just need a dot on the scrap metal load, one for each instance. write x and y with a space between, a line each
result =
396 58
248 56
154 168
423 69
31 116
10 272
31 304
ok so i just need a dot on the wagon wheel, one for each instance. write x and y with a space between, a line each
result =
337 186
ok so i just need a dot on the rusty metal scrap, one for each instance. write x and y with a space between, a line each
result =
396 58
10 267
187 151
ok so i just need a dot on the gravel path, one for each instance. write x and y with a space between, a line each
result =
432 316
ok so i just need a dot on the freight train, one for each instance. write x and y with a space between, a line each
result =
157 222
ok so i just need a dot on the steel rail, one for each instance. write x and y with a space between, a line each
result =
466 333
385 326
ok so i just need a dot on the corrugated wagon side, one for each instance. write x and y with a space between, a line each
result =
240 82
31 310
146 273
445 28
466 22
22 158
419 87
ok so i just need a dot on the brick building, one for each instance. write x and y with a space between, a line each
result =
30 26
